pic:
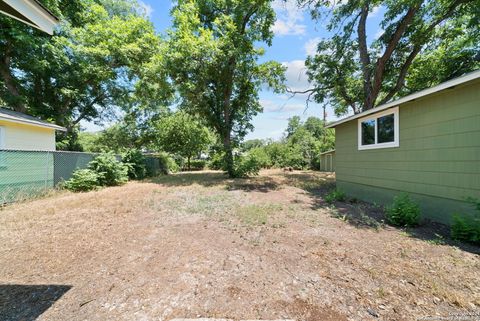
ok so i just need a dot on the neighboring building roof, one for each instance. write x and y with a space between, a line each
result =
328 152
16 117
445 85
31 12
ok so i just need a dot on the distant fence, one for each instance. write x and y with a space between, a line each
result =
25 174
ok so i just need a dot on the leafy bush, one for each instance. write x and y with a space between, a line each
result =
135 162
246 166
261 157
335 195
82 180
167 164
403 211
217 161
110 171
197 164
467 227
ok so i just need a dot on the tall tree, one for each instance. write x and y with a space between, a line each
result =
214 64
87 71
350 71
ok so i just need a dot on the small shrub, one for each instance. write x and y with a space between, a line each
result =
135 162
246 166
403 211
167 164
335 195
217 161
197 164
83 180
467 227
110 171
261 157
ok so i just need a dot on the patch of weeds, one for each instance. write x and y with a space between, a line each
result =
336 195
438 240
336 214
257 214
369 221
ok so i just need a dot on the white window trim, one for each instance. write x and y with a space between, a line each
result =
2 137
396 124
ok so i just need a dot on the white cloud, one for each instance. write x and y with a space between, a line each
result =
146 8
374 12
289 18
296 75
311 46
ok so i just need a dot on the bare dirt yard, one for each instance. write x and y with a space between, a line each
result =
197 245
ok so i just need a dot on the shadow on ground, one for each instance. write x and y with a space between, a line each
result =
28 302
317 185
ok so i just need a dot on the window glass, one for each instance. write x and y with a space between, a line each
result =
385 129
368 132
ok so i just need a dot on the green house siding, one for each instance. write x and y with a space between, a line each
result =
438 161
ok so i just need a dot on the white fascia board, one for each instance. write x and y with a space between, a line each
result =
39 17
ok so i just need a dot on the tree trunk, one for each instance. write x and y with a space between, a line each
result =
188 163
227 146
10 83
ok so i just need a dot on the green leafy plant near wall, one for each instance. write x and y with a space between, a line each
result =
110 171
467 227
335 195
403 211
135 162
83 180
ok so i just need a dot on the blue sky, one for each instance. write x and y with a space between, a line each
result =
296 36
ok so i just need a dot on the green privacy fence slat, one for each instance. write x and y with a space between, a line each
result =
26 174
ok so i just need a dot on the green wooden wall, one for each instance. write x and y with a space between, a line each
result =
437 163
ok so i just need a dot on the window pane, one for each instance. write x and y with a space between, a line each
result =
386 129
368 132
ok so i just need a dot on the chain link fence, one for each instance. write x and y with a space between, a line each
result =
26 174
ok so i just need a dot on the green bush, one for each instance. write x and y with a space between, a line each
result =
135 162
246 166
217 161
110 171
261 157
197 164
403 211
82 180
167 164
335 195
467 227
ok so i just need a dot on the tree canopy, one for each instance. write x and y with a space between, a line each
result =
351 72
213 63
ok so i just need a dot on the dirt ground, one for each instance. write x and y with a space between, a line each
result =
198 245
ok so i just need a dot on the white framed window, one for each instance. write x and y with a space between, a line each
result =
380 130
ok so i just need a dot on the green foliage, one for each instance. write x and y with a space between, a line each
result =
135 162
217 161
198 164
110 171
182 134
246 166
403 211
83 180
336 195
467 227
95 64
261 157
167 163
423 43
212 60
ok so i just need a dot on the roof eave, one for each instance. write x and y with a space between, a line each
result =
422 93
32 123
32 13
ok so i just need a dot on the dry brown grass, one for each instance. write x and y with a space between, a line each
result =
198 244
